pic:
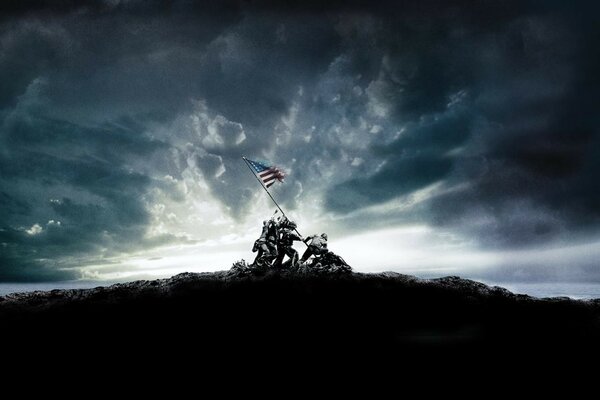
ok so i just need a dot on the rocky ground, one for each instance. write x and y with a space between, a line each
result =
304 311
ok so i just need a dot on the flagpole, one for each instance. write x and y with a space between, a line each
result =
263 186
266 190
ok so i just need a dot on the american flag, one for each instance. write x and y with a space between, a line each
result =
267 173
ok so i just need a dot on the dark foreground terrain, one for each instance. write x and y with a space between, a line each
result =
352 315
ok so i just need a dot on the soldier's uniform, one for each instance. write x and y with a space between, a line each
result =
266 244
317 244
284 246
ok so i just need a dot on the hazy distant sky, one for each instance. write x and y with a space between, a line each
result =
424 136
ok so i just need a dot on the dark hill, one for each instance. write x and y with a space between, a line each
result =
362 313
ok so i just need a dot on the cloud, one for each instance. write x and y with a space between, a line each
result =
126 122
504 108
35 229
417 158
85 181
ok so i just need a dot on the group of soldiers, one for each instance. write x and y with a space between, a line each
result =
276 241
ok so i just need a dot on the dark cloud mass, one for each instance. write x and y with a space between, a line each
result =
111 109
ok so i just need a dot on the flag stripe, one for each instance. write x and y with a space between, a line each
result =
266 174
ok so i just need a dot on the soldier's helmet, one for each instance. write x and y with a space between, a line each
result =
292 225
324 236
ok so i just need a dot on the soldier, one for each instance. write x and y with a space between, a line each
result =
266 244
272 236
284 222
317 244
260 244
284 245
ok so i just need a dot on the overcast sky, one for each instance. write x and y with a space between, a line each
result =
424 137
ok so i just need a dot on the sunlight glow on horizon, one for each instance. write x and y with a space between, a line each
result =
416 250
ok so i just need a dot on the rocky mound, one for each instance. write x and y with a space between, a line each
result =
327 264
298 310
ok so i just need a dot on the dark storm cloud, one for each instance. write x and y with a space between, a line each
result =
151 64
525 142
81 85
534 177
69 191
416 159
106 106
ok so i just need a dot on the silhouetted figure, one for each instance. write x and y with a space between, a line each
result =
285 243
317 244
266 244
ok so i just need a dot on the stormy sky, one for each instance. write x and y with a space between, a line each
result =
428 137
